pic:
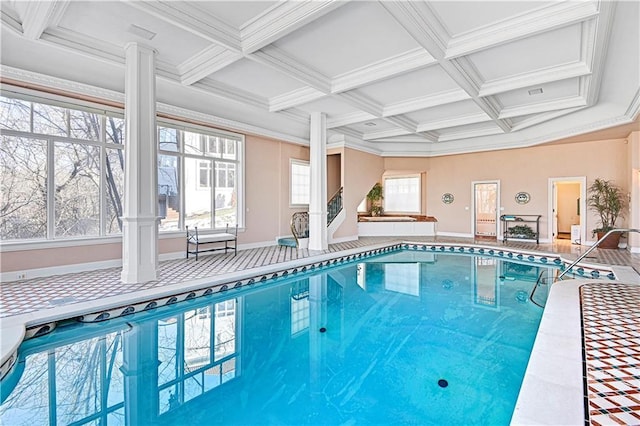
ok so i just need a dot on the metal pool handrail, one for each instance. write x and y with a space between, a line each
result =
593 247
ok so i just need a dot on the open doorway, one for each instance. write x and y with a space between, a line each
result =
485 209
567 206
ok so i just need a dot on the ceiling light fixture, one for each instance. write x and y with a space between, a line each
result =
535 91
141 32
370 123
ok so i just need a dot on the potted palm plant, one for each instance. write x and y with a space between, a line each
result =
607 200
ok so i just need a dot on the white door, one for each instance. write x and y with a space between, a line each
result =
485 198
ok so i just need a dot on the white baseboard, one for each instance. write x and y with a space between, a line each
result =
58 270
453 234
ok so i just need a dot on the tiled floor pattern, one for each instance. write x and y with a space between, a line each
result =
20 297
611 337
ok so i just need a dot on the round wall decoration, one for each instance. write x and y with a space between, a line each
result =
447 198
522 197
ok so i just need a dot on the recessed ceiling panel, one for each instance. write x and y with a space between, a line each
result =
328 105
353 36
459 17
444 112
422 82
110 21
256 78
232 14
544 50
550 91
372 126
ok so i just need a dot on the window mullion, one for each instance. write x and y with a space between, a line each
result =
51 213
103 178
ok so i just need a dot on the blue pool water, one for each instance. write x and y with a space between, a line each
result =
401 338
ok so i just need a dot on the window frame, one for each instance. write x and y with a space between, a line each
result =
417 176
298 162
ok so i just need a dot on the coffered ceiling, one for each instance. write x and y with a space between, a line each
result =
392 77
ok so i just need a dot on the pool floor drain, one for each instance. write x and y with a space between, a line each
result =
322 329
443 383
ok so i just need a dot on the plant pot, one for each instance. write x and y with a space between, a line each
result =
611 242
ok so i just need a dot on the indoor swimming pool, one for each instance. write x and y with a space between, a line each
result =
407 337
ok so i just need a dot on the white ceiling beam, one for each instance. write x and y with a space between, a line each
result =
189 17
547 75
85 45
10 19
517 111
403 123
294 98
595 49
472 133
350 118
230 92
282 19
423 102
39 15
556 15
362 102
380 134
422 24
284 63
541 118
453 122
348 131
386 68
211 59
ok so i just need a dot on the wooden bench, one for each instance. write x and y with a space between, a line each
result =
196 241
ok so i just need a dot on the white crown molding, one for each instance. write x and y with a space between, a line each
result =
341 140
546 75
296 114
362 102
480 117
228 124
389 67
423 102
541 118
350 118
543 19
472 133
282 62
209 60
349 132
412 138
84 45
225 91
192 19
381 134
554 105
10 19
60 84
41 14
282 19
634 107
402 122
597 53
294 98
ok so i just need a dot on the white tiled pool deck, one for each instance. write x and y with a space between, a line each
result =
557 360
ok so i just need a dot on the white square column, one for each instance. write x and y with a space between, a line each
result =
318 169
140 218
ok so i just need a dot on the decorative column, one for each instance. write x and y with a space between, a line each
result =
318 168
140 219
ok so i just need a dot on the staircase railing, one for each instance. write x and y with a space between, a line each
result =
334 206
592 248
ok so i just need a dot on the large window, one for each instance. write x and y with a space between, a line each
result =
402 194
300 179
204 191
61 170
62 173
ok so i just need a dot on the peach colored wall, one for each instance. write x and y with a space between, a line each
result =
633 180
525 169
360 172
44 258
334 174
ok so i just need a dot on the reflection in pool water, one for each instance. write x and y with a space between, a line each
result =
362 343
